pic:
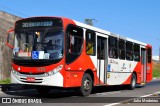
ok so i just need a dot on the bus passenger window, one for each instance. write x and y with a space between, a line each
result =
136 55
90 42
129 50
129 56
112 53
113 47
149 55
121 49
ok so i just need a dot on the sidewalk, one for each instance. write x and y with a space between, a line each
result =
156 78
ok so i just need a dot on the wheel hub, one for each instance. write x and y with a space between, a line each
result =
87 85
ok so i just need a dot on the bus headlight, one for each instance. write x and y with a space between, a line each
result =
54 71
15 72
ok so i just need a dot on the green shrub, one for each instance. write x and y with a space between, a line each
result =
7 81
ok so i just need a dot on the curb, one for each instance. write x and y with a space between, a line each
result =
14 87
156 78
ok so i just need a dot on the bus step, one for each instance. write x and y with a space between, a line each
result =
143 83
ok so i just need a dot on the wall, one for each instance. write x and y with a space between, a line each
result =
6 23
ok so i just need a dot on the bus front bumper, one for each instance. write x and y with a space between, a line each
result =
53 80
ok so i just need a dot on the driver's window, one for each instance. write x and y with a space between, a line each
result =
74 43
74 40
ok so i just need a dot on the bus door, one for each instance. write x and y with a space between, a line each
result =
143 65
102 59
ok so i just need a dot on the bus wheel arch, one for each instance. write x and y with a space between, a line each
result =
87 83
90 72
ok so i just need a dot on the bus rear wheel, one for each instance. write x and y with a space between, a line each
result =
133 82
87 85
43 90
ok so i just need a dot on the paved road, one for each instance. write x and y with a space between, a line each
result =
102 96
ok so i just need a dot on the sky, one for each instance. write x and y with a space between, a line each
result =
136 19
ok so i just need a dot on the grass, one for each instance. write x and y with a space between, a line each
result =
156 69
7 81
156 73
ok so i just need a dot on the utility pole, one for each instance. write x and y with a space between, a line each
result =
89 21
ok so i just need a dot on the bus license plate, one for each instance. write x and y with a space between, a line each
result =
31 79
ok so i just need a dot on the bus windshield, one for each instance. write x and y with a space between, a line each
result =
35 45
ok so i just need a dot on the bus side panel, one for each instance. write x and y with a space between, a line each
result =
76 70
74 78
149 72
149 66
128 81
138 72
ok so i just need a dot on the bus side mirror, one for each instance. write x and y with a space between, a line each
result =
10 37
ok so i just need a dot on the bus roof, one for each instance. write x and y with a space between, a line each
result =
108 33
94 29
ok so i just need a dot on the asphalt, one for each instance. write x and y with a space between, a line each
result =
14 87
101 96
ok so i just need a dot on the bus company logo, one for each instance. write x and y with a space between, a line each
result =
124 66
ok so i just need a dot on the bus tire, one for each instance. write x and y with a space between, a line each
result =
133 82
87 85
43 90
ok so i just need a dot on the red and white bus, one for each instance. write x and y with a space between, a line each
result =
60 52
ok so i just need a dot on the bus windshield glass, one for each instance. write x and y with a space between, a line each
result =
47 44
38 39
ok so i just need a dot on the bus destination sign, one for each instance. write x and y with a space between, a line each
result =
37 24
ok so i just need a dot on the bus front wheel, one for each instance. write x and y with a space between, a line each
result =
87 85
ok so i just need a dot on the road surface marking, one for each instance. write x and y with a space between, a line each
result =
146 95
104 93
113 104
149 94
108 93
